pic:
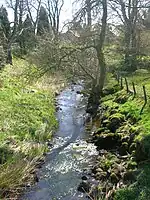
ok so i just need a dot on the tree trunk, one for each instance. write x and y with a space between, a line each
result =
89 16
9 55
98 84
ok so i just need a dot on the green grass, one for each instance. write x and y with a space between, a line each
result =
140 190
27 121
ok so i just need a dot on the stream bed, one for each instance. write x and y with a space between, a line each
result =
71 157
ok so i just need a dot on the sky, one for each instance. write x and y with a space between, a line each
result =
66 13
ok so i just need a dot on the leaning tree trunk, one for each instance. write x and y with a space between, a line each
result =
98 84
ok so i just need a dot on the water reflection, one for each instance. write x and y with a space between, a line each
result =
62 172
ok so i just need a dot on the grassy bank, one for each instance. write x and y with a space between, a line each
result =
27 121
140 189
123 168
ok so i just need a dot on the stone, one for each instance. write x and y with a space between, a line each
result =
84 178
123 149
84 187
132 147
115 122
108 141
56 93
36 179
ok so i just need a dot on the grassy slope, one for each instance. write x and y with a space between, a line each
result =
27 120
140 190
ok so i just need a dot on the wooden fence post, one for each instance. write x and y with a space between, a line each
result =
145 99
121 83
134 90
127 87
118 78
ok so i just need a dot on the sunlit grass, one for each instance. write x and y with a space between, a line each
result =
27 110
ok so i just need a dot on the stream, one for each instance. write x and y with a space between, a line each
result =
71 157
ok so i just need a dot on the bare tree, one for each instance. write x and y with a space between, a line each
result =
128 12
33 7
54 8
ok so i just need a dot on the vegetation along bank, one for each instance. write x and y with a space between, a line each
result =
101 38
27 123
122 139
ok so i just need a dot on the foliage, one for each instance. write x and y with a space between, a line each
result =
140 190
144 62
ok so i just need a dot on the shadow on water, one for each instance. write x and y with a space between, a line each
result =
70 155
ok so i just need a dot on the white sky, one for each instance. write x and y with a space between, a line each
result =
66 13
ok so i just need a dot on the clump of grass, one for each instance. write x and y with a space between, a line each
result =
14 174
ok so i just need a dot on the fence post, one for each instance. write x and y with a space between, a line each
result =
127 87
121 83
134 90
118 78
145 99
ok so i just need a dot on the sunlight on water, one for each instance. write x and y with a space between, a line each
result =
70 155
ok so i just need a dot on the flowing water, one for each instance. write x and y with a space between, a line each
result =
70 155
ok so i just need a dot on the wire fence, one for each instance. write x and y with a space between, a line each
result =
131 88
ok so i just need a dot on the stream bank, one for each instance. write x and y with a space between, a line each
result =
119 166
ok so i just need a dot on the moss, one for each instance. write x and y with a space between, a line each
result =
131 165
117 116
138 127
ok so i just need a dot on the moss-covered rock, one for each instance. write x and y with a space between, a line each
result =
131 165
132 147
111 90
123 149
99 130
115 122
108 141
121 99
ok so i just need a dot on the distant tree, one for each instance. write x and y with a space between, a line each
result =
146 20
54 8
4 22
4 34
27 38
33 8
129 11
43 22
